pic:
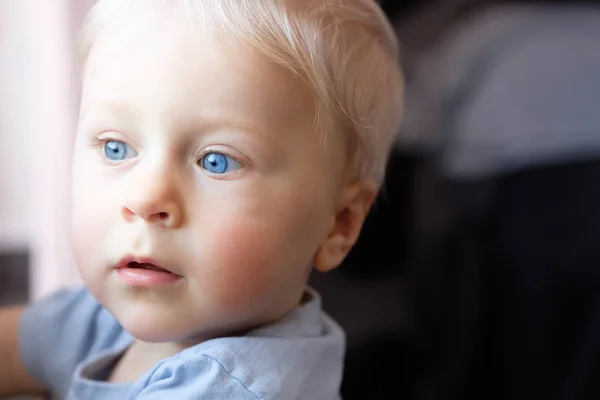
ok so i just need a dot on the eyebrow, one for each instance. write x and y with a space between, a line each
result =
212 124
247 127
117 110
113 110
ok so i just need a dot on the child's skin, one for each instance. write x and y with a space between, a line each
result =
203 157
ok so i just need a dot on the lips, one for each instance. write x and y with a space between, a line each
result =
144 263
151 267
145 273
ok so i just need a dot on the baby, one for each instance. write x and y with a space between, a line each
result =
225 149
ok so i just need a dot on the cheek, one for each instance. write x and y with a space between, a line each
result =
86 239
86 212
254 261
82 220
90 218
242 259
94 192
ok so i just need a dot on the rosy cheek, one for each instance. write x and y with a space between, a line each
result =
240 264
247 254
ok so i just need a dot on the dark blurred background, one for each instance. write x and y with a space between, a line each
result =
477 274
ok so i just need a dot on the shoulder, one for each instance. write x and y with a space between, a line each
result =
59 332
300 357
73 315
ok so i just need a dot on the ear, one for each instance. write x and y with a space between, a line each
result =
352 209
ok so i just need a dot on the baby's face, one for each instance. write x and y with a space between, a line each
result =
203 160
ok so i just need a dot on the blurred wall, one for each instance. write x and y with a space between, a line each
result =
13 164
38 111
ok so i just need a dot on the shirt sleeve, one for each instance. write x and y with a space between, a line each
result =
202 378
56 334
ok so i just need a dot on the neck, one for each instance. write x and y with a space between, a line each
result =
140 358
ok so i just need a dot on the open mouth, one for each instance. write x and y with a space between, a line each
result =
146 266
143 272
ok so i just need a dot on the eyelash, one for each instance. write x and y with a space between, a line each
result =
96 142
99 143
204 152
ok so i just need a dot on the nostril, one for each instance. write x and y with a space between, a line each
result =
127 214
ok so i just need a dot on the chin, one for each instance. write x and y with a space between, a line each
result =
152 330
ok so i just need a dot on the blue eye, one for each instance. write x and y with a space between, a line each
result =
118 151
217 163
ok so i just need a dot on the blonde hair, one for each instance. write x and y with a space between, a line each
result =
345 50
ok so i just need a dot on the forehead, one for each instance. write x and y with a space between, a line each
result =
162 65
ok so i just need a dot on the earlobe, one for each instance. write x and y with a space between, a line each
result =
353 206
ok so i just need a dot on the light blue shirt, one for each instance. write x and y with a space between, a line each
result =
69 343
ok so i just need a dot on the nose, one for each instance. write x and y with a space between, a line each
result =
155 198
